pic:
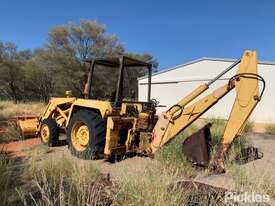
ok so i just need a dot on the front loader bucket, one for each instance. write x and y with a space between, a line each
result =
28 125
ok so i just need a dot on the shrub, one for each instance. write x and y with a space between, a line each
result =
270 129
11 133
248 126
217 130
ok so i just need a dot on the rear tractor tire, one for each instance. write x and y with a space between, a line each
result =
49 132
86 135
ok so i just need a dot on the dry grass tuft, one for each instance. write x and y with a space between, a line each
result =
9 109
4 177
148 187
65 180
252 180
172 158
8 179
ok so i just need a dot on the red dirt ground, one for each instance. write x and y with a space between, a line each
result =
17 148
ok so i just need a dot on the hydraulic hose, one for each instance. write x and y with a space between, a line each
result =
251 76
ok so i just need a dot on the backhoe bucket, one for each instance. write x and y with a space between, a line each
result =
28 125
197 146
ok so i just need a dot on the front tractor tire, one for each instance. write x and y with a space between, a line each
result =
86 135
49 132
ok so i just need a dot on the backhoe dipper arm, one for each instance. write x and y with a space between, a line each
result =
177 118
247 97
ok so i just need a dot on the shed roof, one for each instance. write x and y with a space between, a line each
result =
203 59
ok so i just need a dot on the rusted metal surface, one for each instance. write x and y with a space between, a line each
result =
197 146
27 124
197 193
23 117
249 154
143 121
144 143
195 186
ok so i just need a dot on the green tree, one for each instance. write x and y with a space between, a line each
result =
59 66
69 45
11 71
39 83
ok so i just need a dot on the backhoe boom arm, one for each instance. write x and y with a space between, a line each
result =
187 116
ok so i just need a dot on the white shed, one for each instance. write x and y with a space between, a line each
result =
169 86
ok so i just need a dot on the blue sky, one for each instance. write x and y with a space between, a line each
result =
173 31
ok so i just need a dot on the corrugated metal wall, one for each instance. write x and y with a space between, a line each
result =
169 87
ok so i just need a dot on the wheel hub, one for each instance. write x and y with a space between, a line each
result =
45 133
83 135
80 136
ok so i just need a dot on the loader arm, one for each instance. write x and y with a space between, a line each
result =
177 118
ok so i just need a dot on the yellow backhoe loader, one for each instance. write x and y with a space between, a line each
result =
109 122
